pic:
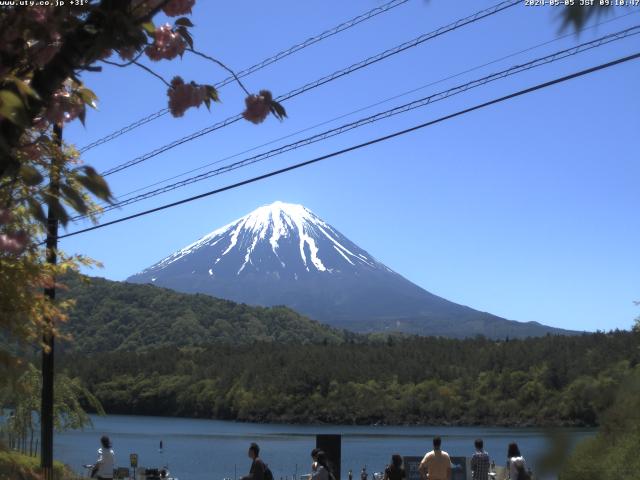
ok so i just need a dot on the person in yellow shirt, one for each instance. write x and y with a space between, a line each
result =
436 465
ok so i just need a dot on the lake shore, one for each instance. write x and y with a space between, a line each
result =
375 422
198 449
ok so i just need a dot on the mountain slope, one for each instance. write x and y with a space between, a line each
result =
283 254
117 316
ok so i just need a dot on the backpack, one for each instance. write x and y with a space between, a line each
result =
268 475
522 473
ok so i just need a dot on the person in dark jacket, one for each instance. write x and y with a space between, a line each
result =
314 457
322 470
394 470
257 465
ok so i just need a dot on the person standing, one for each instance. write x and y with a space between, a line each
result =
258 468
103 468
436 465
480 462
516 464
322 470
314 458
394 470
363 473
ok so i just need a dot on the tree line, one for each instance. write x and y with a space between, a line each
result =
553 380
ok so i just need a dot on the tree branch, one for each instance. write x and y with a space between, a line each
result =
218 62
144 67
47 80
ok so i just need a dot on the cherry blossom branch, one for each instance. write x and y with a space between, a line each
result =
130 62
144 67
218 62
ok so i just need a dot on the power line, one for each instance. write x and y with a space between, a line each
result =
562 54
326 79
362 145
123 130
258 66
380 102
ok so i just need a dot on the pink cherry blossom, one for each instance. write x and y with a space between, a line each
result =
258 106
39 14
32 152
45 54
178 7
44 51
167 44
105 54
184 95
40 123
64 107
127 53
14 243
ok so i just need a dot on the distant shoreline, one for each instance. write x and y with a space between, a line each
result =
521 426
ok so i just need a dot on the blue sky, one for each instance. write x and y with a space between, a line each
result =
527 209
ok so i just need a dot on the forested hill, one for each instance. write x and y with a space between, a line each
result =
538 381
117 316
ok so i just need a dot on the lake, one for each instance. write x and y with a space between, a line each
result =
213 450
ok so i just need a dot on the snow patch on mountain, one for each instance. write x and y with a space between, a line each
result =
274 224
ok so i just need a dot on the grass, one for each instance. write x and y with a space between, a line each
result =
16 466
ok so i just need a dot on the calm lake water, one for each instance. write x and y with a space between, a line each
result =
213 450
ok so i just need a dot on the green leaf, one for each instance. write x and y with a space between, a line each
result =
74 198
57 209
35 207
30 175
12 108
88 97
186 35
82 116
95 184
90 28
149 27
184 22
278 110
23 87
212 93
578 15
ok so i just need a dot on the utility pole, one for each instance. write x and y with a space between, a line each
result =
46 406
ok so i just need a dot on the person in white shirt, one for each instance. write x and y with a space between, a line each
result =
103 469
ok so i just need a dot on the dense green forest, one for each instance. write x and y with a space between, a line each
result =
145 350
553 380
613 453
123 316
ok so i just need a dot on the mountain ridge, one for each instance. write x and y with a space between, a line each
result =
284 254
118 316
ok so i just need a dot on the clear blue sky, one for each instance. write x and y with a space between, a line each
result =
528 209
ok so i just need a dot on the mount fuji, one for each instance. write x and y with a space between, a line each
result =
283 254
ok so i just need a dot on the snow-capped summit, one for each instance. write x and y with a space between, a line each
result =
275 238
284 254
